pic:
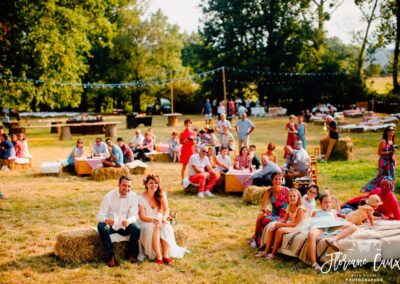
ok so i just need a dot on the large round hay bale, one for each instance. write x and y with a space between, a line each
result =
254 194
343 150
109 173
162 158
84 245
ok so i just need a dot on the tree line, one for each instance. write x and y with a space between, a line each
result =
61 44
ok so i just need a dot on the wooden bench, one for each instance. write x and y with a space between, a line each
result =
133 121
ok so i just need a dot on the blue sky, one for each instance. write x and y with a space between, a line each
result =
187 15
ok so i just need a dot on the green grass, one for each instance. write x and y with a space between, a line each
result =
381 85
39 207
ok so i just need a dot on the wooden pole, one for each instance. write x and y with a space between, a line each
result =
171 84
224 86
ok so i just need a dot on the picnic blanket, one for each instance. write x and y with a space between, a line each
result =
368 243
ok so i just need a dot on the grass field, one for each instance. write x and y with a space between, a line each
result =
382 85
38 207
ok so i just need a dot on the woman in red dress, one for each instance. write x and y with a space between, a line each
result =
291 129
187 139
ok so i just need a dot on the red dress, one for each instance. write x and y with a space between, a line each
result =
187 145
291 137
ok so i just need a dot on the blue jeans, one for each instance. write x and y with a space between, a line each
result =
133 230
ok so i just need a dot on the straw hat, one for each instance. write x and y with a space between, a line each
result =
374 200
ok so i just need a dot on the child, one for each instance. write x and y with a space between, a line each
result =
301 130
309 198
173 148
270 154
291 129
296 212
365 212
322 221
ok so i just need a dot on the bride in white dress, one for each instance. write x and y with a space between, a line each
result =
156 234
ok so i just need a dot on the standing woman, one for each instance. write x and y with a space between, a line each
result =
156 234
302 130
291 129
278 195
387 162
187 139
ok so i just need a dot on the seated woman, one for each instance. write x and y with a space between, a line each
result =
243 160
17 145
24 146
295 213
227 139
77 152
173 146
146 147
271 154
277 195
156 234
322 221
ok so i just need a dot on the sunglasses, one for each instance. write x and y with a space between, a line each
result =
80 142
313 192
204 151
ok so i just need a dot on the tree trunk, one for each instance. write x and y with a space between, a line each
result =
396 88
83 107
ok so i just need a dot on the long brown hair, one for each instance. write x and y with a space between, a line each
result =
158 195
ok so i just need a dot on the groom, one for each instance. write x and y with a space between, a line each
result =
118 213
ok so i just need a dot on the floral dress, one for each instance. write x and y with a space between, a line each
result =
277 213
387 167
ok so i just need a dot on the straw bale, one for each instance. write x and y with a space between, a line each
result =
109 173
254 194
192 189
162 158
180 236
138 171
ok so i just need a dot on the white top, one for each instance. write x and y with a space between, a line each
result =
227 141
227 161
221 110
221 125
119 208
137 140
101 149
310 205
195 160
301 159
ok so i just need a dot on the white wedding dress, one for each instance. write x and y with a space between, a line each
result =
166 231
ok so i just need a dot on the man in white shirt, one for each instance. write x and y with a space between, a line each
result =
244 127
201 173
224 162
300 164
100 148
118 214
263 177
220 126
137 140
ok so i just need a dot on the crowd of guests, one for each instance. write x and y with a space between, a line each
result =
14 146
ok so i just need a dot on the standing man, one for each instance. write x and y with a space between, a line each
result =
221 125
331 139
243 128
207 111
118 214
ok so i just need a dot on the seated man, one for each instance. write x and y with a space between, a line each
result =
126 151
390 207
137 140
6 147
255 162
300 164
201 173
263 177
224 162
100 148
116 158
118 214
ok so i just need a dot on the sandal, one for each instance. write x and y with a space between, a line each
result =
332 244
260 254
270 257
316 267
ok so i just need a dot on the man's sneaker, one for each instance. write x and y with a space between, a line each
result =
200 195
253 244
321 161
208 193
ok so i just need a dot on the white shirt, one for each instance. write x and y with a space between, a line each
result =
101 149
221 125
137 140
195 160
301 159
227 161
309 204
119 208
221 110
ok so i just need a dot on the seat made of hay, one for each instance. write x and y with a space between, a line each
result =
342 151
109 173
137 167
51 168
155 156
189 187
254 194
84 245
16 163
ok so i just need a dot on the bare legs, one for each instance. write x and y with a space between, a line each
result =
312 245
160 247
183 171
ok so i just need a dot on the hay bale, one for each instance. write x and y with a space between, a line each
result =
191 189
109 173
162 158
180 236
84 245
138 171
254 194
343 150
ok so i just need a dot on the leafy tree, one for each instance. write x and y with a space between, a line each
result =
373 70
